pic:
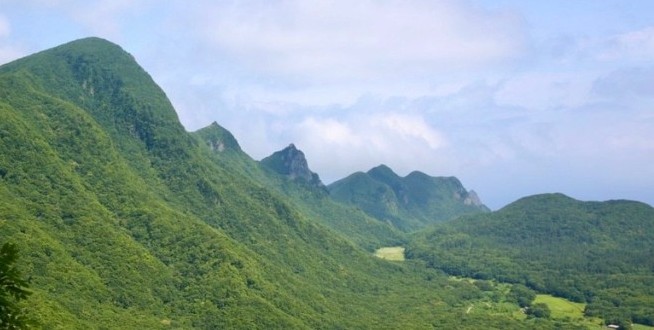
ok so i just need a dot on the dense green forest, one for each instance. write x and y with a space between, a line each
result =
410 202
600 253
115 217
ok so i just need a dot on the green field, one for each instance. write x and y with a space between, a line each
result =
394 253
563 309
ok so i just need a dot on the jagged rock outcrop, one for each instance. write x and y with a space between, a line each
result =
292 163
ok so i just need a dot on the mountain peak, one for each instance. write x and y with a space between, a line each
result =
218 138
382 172
292 163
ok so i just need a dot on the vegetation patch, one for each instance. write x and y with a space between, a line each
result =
394 253
561 308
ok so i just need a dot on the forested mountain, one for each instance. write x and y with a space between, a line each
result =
122 219
601 253
410 202
291 163
287 173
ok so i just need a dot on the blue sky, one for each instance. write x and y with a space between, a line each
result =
512 97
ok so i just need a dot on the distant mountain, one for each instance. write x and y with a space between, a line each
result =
410 202
286 172
292 163
595 252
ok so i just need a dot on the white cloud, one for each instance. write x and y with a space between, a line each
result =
638 44
326 40
4 27
546 90
105 17
626 83
8 51
338 145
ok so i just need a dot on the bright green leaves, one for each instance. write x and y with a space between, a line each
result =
13 288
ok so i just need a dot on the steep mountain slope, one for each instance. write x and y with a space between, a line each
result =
291 163
410 202
306 191
125 220
596 252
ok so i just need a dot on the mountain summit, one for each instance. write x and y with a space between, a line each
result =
292 163
409 202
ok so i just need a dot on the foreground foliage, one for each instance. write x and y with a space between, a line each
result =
13 289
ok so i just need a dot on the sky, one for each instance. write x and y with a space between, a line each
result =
513 97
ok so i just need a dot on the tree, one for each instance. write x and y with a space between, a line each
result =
521 295
12 289
540 310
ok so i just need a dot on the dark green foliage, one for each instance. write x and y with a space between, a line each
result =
595 252
539 310
13 288
410 202
522 295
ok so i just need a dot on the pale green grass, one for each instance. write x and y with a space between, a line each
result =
561 308
564 309
394 253
641 327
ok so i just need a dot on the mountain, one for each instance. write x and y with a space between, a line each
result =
122 219
594 252
292 163
289 180
410 202
218 139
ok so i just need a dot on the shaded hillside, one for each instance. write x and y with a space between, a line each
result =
595 252
410 202
310 196
125 220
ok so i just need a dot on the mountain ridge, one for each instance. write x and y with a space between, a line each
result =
409 202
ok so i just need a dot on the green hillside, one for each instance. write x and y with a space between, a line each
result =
309 196
595 252
124 220
410 202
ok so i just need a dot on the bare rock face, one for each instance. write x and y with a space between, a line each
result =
292 163
472 199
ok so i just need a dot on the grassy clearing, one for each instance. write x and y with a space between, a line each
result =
394 253
641 327
561 308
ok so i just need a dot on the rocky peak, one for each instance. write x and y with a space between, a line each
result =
472 199
292 163
218 138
